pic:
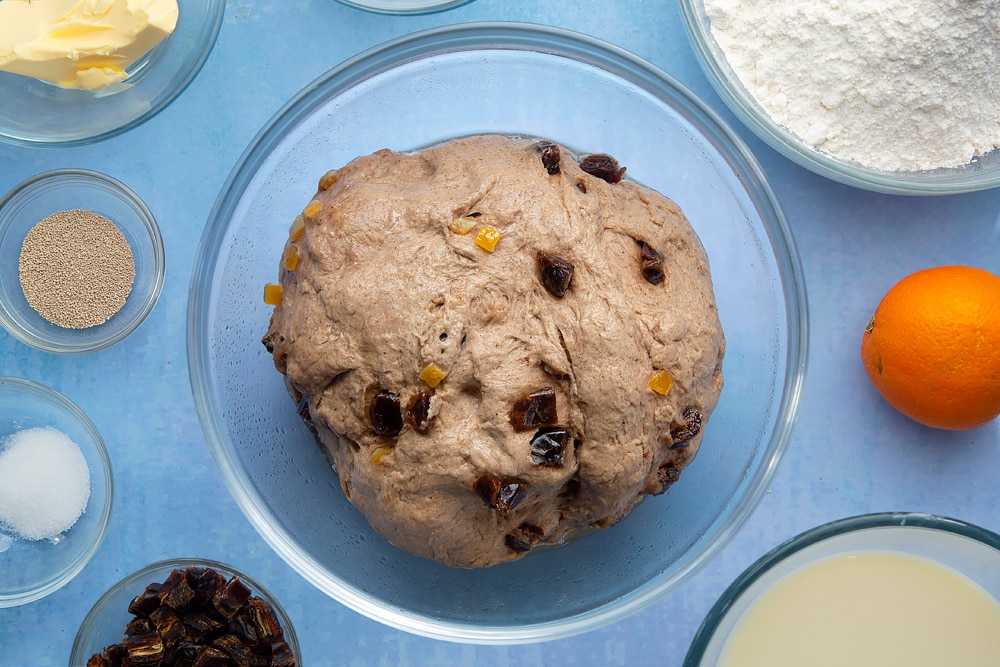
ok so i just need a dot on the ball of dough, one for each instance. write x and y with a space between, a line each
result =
497 344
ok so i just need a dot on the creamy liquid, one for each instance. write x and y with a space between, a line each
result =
868 609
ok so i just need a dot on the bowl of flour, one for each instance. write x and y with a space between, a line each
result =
896 96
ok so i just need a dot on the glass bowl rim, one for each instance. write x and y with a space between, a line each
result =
51 396
185 75
815 535
428 7
746 108
547 40
113 187
143 573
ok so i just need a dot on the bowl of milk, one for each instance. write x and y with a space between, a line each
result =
874 590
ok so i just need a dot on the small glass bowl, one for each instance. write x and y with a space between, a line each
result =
38 113
34 568
62 189
404 6
968 550
980 174
105 623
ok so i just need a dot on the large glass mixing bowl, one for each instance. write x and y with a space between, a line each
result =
512 79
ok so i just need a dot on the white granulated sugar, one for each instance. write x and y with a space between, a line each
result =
899 85
44 483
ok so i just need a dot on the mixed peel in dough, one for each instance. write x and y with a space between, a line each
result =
497 344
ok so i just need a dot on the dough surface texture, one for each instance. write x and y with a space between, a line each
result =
382 293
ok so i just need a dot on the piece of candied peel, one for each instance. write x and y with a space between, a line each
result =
312 209
660 382
487 239
290 258
380 453
273 294
328 179
297 229
463 224
432 375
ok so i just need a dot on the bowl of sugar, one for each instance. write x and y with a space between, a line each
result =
55 490
880 589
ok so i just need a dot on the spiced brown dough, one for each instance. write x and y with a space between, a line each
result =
479 469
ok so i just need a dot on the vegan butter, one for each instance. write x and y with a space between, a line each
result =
81 43
868 609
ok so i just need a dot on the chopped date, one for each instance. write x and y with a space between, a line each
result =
241 626
557 273
503 496
536 409
523 538
199 625
139 626
550 156
230 598
548 446
682 435
204 580
385 414
168 625
144 603
182 655
265 621
208 656
418 413
239 652
144 649
650 263
666 476
176 592
281 654
603 166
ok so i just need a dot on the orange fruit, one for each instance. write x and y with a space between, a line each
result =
932 348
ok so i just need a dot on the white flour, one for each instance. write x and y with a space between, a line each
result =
899 85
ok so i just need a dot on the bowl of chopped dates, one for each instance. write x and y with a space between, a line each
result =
459 84
186 611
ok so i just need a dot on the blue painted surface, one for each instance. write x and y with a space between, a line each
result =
850 453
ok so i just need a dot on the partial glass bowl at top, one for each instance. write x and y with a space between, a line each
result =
982 173
512 79
33 569
66 189
38 113
404 6
970 553
105 623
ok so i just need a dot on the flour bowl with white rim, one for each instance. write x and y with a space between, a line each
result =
979 173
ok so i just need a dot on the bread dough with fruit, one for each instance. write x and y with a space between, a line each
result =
497 344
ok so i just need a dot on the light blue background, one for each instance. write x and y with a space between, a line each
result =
850 453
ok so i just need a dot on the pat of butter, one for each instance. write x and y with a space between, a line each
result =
81 43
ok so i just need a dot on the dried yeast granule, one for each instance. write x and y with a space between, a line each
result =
76 268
